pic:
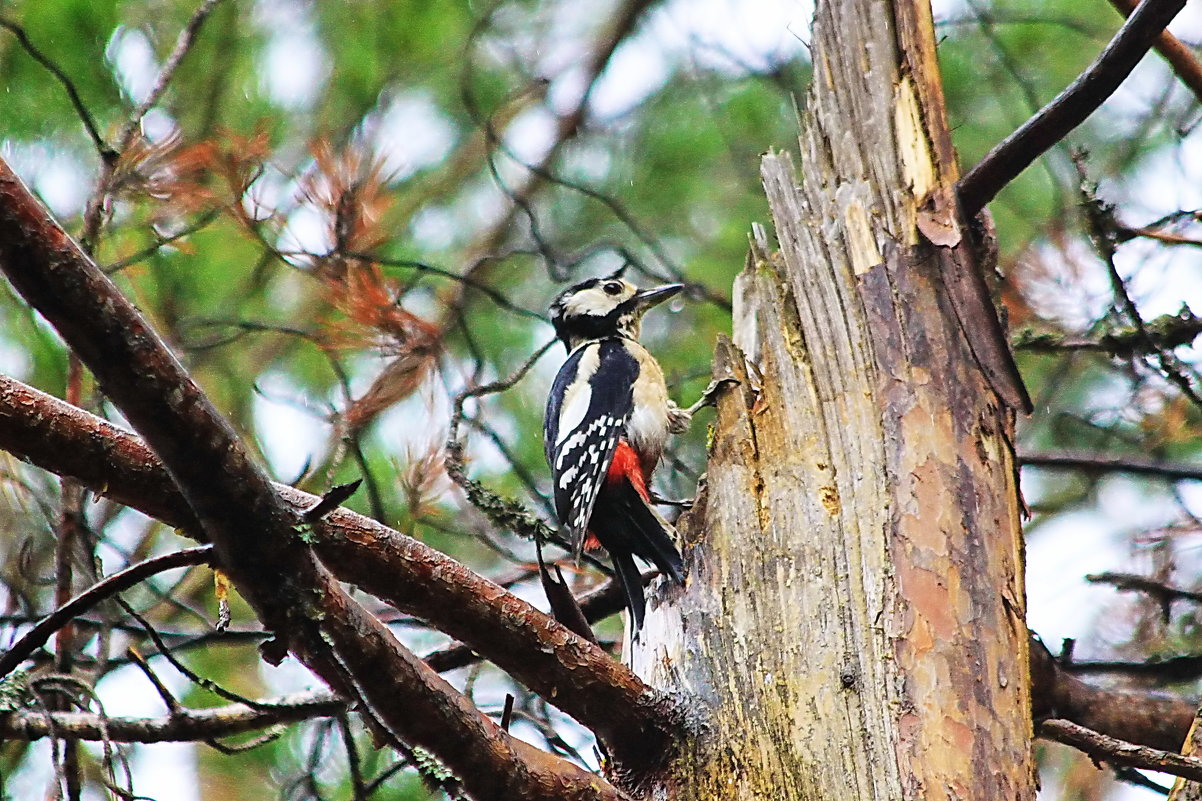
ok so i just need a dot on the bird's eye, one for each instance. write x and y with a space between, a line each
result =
613 288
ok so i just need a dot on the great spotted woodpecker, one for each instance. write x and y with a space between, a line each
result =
608 419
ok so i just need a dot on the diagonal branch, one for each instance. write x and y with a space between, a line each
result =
69 441
1070 108
107 154
93 215
1184 63
256 535
183 45
1131 582
1120 752
571 673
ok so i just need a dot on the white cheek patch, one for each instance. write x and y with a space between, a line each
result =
588 303
595 301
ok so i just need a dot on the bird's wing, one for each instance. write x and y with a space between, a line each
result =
589 406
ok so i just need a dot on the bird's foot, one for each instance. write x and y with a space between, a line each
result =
710 396
679 419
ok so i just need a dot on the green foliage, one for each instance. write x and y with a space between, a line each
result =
221 226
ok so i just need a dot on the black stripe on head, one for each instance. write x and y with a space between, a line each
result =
591 326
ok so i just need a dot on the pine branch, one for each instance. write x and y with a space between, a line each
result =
571 673
253 529
1070 108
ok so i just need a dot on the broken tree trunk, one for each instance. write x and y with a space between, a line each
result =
853 623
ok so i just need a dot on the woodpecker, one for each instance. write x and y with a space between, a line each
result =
607 422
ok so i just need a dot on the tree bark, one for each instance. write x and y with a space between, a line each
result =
853 621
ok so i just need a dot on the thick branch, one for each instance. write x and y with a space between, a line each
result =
1157 720
187 725
1183 62
1070 108
250 525
432 711
571 673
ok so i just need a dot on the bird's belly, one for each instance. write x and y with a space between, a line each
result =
647 429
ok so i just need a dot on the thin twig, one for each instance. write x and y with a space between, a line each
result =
108 587
187 725
169 700
1070 108
183 44
465 278
1120 752
107 154
1100 463
270 736
494 387
1131 582
569 125
93 216
330 501
188 673
160 241
1172 669
1104 232
1162 237
1133 776
358 788
503 512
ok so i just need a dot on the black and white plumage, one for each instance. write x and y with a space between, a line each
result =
607 422
587 412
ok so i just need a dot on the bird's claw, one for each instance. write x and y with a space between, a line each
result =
710 396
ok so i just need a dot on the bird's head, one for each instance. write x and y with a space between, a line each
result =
604 307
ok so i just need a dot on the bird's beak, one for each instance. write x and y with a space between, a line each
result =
653 297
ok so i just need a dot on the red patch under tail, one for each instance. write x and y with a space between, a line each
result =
626 465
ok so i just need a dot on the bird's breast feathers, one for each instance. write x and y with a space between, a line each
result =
647 428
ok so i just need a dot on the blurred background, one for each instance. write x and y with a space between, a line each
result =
343 215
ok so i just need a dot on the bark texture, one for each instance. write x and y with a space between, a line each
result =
852 625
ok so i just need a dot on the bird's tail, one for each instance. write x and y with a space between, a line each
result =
655 541
628 526
631 579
